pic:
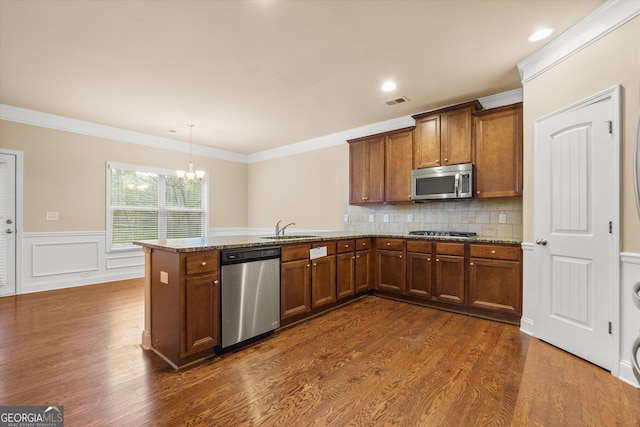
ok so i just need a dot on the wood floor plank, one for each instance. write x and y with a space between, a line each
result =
372 362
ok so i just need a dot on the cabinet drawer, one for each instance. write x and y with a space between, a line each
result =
206 262
390 244
495 252
294 252
345 246
363 244
420 246
450 248
331 247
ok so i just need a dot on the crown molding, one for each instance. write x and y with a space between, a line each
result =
606 18
66 124
500 99
332 139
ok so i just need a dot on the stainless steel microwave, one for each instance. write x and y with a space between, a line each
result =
443 182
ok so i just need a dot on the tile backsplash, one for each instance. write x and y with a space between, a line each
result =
479 216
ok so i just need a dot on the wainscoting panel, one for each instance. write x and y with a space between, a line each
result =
63 257
68 259
629 316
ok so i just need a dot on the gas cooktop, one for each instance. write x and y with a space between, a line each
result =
457 234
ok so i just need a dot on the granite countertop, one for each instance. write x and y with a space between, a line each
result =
244 241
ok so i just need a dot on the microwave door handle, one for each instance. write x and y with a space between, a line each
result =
457 185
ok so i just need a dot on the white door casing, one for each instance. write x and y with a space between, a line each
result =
7 224
576 196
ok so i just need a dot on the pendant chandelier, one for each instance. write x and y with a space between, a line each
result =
190 174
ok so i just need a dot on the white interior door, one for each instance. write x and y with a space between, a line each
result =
574 195
7 224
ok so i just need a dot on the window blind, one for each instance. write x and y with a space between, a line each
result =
147 204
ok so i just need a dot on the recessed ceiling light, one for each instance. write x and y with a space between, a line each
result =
388 86
540 34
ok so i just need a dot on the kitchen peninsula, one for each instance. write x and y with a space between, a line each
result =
475 276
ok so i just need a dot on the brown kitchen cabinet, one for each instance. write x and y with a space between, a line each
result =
295 280
419 268
498 152
449 272
380 168
364 265
495 278
185 305
323 277
444 137
345 268
398 166
366 170
390 266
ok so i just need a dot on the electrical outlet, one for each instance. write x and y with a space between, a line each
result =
502 218
409 217
52 216
164 277
345 218
371 218
385 218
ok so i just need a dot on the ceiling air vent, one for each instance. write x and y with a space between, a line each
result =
397 100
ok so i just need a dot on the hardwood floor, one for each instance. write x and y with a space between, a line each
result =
373 362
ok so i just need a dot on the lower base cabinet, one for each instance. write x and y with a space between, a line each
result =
419 268
495 278
449 274
390 274
185 305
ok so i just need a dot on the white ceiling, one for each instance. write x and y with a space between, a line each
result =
255 75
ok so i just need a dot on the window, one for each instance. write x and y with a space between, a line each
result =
147 204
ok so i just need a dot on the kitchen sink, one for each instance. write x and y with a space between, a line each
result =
291 236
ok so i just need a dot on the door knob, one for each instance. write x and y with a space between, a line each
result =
541 242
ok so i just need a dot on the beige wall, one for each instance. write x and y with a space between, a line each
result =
611 60
310 189
65 172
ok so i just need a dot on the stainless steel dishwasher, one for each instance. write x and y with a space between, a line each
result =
250 293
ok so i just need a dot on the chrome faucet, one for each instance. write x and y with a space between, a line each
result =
279 230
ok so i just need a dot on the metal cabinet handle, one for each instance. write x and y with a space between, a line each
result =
438 161
470 263
493 252
400 256
541 242
204 263
346 246
388 244
437 260
357 256
428 259
215 282
9 231
446 160
354 257
315 264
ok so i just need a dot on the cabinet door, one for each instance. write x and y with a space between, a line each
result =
358 165
419 274
449 286
398 166
390 271
495 285
363 270
366 171
498 152
374 187
201 313
455 138
295 289
426 142
323 281
345 275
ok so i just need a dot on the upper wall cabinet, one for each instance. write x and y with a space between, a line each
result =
498 152
380 168
443 137
366 170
